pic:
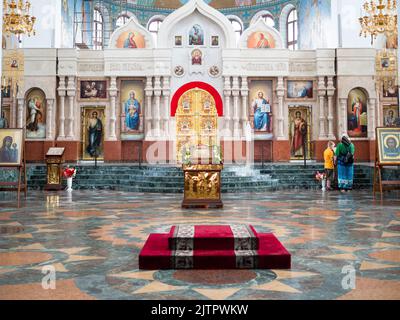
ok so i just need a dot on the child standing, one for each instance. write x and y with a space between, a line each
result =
329 156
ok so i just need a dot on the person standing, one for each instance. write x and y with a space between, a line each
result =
344 156
329 157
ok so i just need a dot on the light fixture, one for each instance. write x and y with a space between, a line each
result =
380 18
17 19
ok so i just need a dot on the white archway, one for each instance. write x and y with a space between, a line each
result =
283 22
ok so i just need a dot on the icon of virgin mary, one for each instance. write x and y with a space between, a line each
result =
130 42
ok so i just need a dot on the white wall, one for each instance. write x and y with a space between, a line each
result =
47 26
349 29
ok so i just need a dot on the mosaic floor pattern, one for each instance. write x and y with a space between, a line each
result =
92 241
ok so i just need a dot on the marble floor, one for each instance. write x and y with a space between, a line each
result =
91 239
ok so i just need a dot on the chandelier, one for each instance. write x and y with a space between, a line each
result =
380 18
16 17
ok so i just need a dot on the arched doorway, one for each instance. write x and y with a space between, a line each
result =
196 124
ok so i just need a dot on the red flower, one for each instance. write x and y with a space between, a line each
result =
69 173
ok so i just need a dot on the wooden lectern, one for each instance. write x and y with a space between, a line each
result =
202 186
54 161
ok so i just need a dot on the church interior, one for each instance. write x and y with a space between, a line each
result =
199 150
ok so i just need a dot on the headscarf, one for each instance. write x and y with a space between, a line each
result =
346 140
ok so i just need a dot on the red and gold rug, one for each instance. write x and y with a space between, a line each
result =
213 247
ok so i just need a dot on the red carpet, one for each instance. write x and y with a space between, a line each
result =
213 247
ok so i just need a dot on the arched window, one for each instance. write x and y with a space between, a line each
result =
154 26
97 30
292 30
237 27
122 20
269 20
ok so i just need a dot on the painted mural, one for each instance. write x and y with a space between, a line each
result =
36 115
357 109
261 95
132 98
196 36
131 40
314 22
261 40
93 121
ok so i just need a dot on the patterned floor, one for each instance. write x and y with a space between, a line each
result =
92 240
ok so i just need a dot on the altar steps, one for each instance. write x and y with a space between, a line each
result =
168 179
213 247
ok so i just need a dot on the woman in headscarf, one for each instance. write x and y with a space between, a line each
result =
344 156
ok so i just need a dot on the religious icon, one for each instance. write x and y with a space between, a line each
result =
261 40
197 57
93 132
385 63
391 90
36 115
132 112
261 95
186 104
298 133
196 36
388 140
390 116
11 141
132 95
93 89
300 89
262 113
131 39
214 41
178 41
14 63
357 113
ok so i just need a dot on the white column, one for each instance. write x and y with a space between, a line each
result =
236 110
14 112
113 90
342 117
49 120
20 114
148 107
378 110
331 93
371 118
166 107
280 92
71 108
157 104
321 100
245 104
61 92
227 107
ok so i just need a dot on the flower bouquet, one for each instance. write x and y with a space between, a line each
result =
69 174
322 178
